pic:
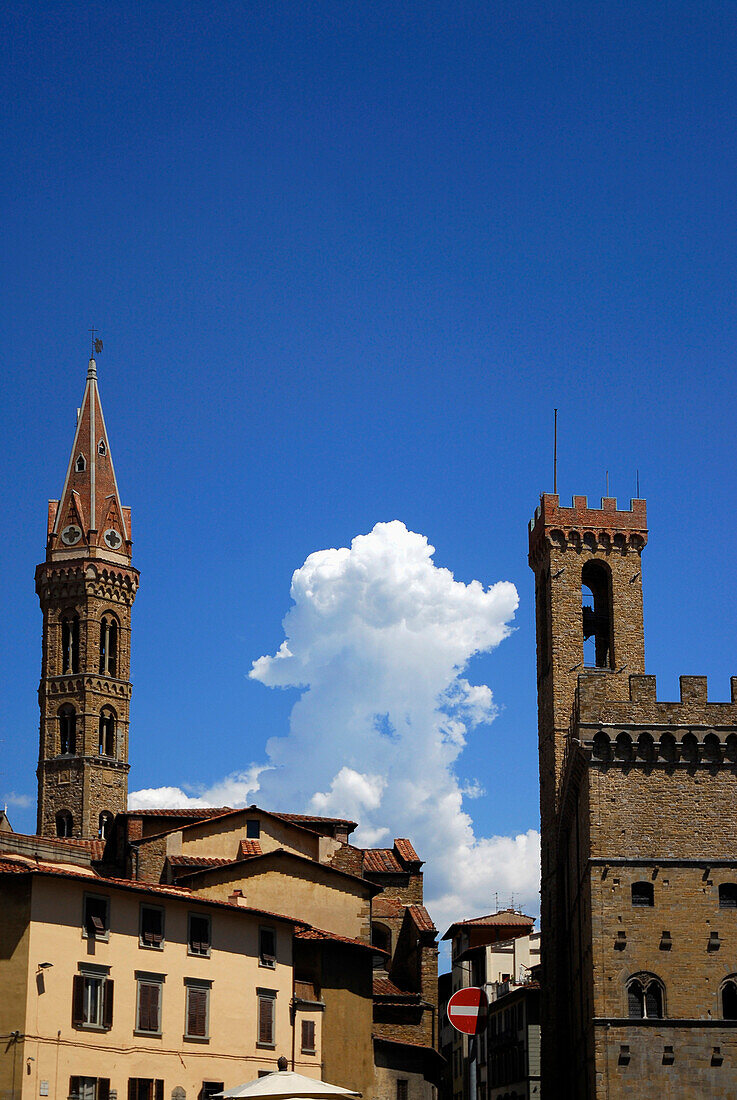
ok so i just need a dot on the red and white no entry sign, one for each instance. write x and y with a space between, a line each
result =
467 1010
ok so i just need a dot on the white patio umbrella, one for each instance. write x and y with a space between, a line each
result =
285 1085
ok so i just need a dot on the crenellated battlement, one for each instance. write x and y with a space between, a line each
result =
604 528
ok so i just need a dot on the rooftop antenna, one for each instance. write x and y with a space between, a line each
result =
496 902
555 450
607 483
638 484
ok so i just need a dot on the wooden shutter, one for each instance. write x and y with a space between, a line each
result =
107 1003
143 1006
159 1090
132 1088
266 1020
308 1035
103 1088
197 1011
74 1086
78 1001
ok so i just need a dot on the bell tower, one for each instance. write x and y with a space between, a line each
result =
86 587
588 604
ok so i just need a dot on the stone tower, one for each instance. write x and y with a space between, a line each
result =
588 598
86 588
639 820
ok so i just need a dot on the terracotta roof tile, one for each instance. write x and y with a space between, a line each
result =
248 848
406 850
385 987
24 866
505 918
422 918
196 811
328 937
381 861
302 818
198 861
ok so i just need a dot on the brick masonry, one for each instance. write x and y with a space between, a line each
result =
633 790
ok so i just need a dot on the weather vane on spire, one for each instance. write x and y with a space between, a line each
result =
96 344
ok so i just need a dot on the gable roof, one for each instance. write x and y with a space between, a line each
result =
505 918
254 862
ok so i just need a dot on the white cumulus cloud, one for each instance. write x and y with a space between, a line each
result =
379 639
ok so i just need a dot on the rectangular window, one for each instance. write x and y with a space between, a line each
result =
197 1020
198 934
96 918
152 927
210 1088
266 1030
89 1088
402 1088
253 829
267 947
145 1088
92 998
148 1004
308 1036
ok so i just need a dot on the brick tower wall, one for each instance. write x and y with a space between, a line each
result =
649 795
85 783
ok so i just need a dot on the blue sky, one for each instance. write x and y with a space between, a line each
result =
345 260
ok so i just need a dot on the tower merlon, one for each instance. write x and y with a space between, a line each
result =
597 704
603 523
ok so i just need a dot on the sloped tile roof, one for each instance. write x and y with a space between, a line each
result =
196 811
304 818
385 987
422 918
320 934
406 850
249 848
381 861
198 861
506 918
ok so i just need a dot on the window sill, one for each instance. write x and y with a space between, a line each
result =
266 1046
147 1034
312 1053
90 1027
151 946
96 939
198 954
196 1038
267 965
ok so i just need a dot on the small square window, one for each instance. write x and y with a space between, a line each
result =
253 829
210 1088
96 919
152 927
267 947
199 935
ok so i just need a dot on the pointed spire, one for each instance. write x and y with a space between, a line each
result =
89 520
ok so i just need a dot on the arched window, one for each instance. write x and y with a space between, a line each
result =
64 824
729 999
728 895
67 730
105 825
596 591
602 747
645 997
107 732
643 893
81 464
101 448
69 643
623 747
108 646
381 937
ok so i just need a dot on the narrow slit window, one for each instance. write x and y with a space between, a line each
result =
70 644
107 732
108 646
67 730
81 464
64 824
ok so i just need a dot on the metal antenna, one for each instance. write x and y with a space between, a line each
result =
92 332
607 483
638 484
555 450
